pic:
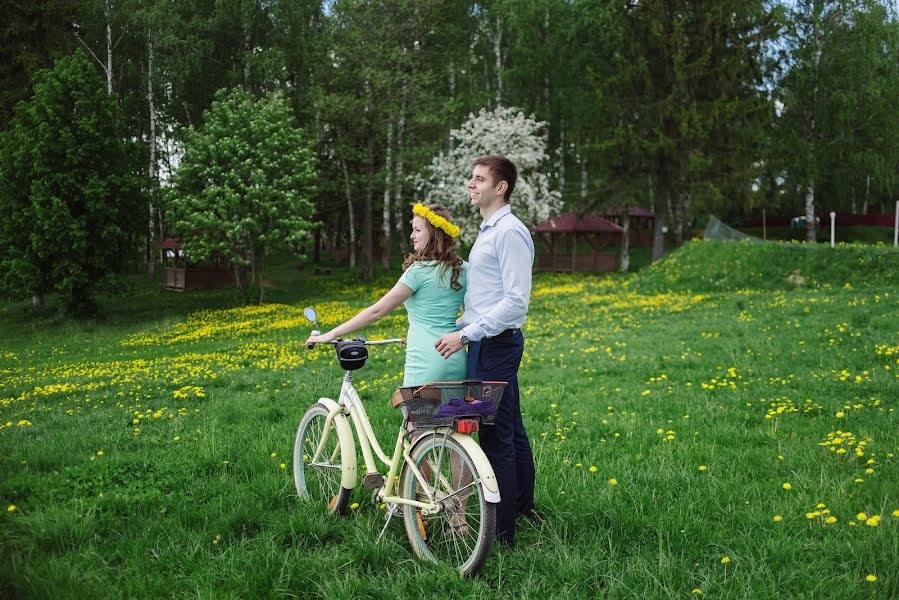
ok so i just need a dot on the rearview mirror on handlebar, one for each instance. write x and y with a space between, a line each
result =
309 313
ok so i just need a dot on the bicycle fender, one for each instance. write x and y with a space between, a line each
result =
348 477
484 469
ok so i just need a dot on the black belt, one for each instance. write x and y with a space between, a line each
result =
506 333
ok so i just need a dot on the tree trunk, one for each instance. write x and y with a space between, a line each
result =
151 168
625 239
658 236
810 212
239 280
108 13
867 194
399 178
248 47
562 156
317 245
259 272
498 56
583 182
37 301
812 138
349 212
682 215
386 212
368 262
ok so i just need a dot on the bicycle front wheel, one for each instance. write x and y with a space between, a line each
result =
319 481
462 532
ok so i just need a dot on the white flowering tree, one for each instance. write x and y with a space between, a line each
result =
506 131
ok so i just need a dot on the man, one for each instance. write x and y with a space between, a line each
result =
496 306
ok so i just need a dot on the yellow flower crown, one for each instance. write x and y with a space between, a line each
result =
436 220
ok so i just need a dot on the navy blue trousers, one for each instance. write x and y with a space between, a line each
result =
506 443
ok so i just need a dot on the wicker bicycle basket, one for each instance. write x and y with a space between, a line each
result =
439 404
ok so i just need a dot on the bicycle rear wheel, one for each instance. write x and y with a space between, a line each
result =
319 482
462 533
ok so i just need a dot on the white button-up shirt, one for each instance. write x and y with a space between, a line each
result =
499 277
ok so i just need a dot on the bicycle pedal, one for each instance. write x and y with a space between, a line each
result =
372 481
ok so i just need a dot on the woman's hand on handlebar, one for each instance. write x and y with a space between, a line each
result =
324 338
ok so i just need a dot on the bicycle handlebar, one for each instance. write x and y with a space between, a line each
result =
364 341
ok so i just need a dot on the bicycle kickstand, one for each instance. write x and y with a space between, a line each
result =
392 511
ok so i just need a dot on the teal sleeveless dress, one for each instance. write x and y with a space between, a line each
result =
432 310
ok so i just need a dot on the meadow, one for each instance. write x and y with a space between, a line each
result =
722 424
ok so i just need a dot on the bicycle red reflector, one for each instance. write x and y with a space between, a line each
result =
467 426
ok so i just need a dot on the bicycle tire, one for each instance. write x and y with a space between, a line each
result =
319 483
462 534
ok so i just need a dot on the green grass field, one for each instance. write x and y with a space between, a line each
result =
720 425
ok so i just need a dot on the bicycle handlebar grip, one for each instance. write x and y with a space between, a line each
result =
314 332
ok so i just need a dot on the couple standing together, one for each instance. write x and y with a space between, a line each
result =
494 289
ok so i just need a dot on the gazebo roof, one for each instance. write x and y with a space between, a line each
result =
634 211
570 222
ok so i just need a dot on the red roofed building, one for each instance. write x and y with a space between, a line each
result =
180 275
577 243
641 223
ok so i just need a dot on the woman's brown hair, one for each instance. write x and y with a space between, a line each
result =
440 247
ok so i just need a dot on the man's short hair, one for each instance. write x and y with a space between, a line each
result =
502 169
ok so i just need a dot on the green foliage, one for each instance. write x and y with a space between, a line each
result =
838 130
679 90
245 185
32 34
706 266
71 189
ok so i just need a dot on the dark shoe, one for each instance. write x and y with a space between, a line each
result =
532 516
505 543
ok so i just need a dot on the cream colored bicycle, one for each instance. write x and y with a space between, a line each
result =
438 480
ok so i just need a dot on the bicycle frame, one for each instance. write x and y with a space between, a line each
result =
350 405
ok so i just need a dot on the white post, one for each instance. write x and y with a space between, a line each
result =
896 226
833 220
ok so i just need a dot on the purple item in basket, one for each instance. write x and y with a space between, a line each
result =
458 407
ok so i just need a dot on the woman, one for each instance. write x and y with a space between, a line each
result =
432 288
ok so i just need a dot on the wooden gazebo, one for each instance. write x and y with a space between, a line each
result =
578 243
181 276
641 223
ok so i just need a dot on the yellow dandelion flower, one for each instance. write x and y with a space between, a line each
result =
274 454
831 520
873 521
787 486
777 518
613 481
593 469
702 467
697 591
354 505
871 578
896 514
725 560
282 466
861 516
11 508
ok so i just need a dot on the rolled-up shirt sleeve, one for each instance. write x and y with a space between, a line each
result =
516 259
